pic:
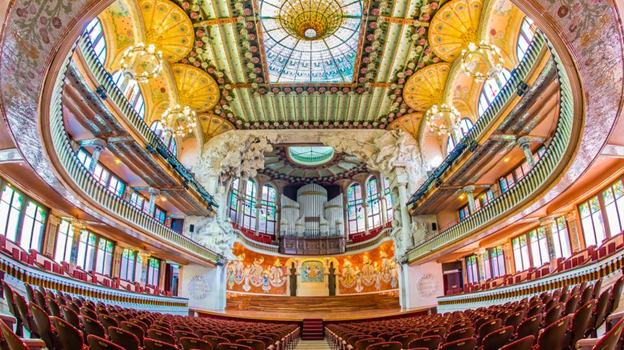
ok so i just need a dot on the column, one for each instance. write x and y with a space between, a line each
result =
382 200
546 224
99 146
573 229
404 298
525 143
258 205
480 253
508 258
456 131
117 254
161 276
143 257
77 227
53 226
154 193
405 217
469 191
344 187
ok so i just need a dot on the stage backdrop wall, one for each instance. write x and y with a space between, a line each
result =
204 287
424 284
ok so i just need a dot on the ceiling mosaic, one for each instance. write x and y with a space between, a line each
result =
315 64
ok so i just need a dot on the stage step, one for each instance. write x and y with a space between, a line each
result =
312 329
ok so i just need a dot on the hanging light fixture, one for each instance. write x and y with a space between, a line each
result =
142 62
437 117
180 120
482 61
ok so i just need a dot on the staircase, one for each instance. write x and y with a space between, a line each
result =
312 329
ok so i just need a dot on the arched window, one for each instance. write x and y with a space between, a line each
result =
450 144
169 141
527 32
374 203
389 204
96 35
233 202
491 88
131 91
465 125
249 207
356 212
267 210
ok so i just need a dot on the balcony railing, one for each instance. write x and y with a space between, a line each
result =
538 176
107 88
98 193
483 123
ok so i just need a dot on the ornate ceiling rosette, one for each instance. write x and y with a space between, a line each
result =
410 123
196 88
454 27
426 88
168 28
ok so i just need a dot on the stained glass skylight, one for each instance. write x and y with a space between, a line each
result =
311 41
311 156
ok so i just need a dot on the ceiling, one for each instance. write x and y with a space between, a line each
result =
251 64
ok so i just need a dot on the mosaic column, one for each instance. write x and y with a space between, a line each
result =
405 217
507 255
383 206
469 190
480 253
117 254
143 257
153 192
546 224
525 143
99 146
573 229
77 227
53 227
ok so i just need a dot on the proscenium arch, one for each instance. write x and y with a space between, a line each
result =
25 60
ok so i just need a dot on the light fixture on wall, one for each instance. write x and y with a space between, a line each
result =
482 61
438 116
142 62
180 120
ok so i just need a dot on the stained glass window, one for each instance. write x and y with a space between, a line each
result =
527 32
128 265
104 257
539 247
497 261
613 198
64 241
22 219
310 41
153 271
33 226
521 253
158 128
96 35
389 204
464 213
131 90
233 200
491 88
356 211
104 176
374 203
11 205
472 269
249 206
311 156
267 210
561 238
592 222
450 144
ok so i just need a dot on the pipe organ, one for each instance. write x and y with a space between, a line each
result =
312 215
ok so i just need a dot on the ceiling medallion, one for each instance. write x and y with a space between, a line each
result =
180 120
142 62
311 19
442 118
482 61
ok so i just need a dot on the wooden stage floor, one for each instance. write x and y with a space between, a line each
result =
299 316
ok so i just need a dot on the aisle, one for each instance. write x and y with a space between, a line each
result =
312 345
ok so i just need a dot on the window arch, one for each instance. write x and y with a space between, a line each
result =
389 204
356 211
450 144
374 202
267 210
465 125
169 141
491 88
96 35
132 91
249 207
234 202
527 32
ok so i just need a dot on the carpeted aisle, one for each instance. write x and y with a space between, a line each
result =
312 345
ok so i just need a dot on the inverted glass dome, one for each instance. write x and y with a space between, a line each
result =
310 156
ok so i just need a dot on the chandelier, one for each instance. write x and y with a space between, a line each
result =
437 117
180 120
311 19
142 62
482 61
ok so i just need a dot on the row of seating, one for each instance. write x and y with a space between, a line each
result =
49 265
65 322
592 254
550 321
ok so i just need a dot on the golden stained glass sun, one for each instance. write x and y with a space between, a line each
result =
311 19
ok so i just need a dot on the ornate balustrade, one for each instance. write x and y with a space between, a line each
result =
587 273
17 274
312 246
106 89
540 175
99 194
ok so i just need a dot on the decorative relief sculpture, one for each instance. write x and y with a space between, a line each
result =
378 274
426 285
255 274
198 288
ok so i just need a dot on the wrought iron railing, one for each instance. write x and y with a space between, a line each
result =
539 175
98 193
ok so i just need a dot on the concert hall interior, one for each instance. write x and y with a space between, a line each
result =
311 174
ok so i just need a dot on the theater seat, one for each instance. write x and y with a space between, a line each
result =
463 344
525 343
123 338
385 346
99 343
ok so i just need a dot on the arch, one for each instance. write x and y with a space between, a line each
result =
490 90
355 218
169 140
267 215
373 197
132 91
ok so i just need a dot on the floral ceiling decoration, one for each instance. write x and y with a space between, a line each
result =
168 28
409 123
196 88
426 88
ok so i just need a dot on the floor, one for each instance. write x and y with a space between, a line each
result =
312 345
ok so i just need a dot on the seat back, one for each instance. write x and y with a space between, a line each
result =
404 339
463 333
159 335
581 323
391 345
462 344
184 334
123 338
40 299
107 321
601 308
152 344
514 319
92 327
232 337
610 340
134 329
525 343
254 344
430 343
572 304
42 320
497 339
362 344
528 327
616 294
69 336
194 343
553 314
70 316
11 339
23 313
552 337
215 340
489 327
99 343
233 346
440 331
